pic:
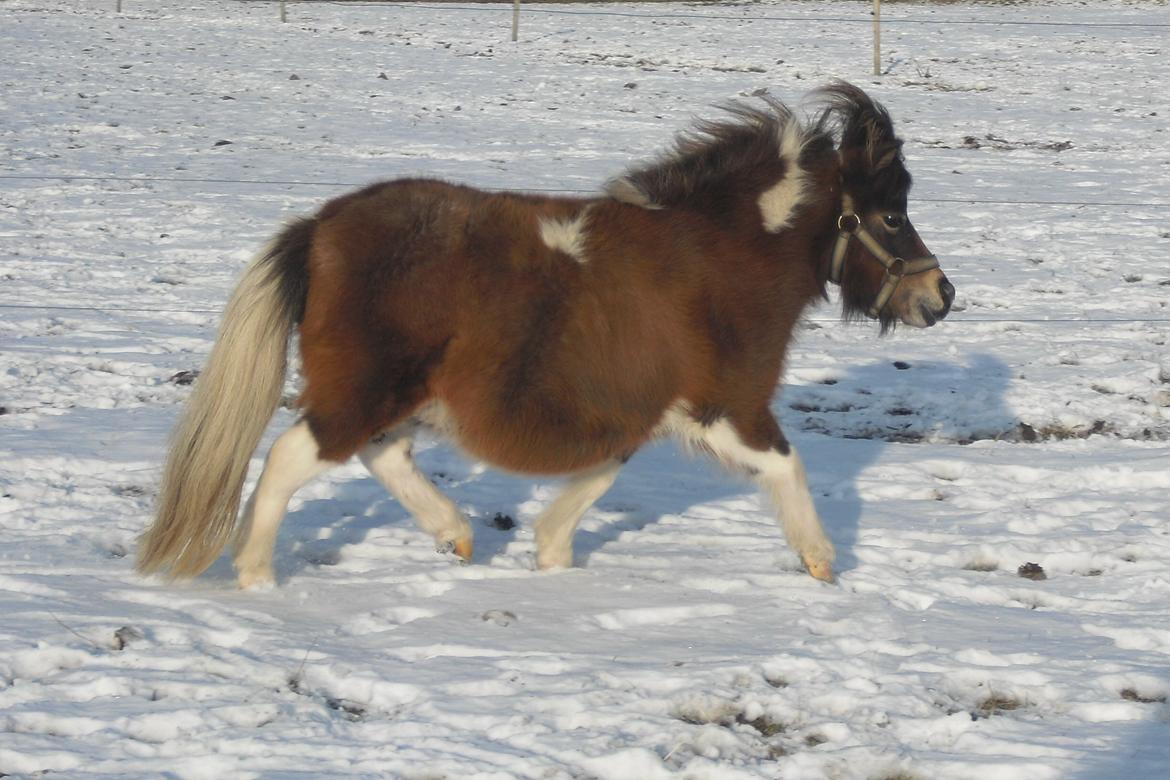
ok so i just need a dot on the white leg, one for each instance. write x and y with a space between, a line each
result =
291 463
388 458
555 527
782 476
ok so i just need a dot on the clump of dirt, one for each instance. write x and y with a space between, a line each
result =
1032 571
502 522
1129 694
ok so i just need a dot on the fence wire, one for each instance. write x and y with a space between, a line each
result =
865 19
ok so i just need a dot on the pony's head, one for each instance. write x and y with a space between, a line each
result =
884 269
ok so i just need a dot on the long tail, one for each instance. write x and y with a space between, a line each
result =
232 402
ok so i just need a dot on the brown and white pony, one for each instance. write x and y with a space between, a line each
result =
548 335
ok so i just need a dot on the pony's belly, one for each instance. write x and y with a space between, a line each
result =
517 444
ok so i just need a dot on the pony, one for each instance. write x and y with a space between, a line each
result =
550 335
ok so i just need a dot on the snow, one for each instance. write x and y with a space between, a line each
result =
1033 426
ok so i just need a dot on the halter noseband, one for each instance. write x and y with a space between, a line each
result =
849 225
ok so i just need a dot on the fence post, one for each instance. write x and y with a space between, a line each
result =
515 19
118 6
877 37
283 14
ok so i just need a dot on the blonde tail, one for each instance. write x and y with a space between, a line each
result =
229 409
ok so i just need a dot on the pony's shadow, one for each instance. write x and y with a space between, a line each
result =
841 425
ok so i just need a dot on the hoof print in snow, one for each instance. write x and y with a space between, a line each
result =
501 617
502 522
994 705
125 635
184 378
1032 571
319 555
765 726
347 709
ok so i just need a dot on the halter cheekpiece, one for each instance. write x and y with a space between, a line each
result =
850 226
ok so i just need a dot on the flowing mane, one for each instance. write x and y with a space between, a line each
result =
742 147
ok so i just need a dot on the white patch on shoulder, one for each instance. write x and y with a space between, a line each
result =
625 191
778 203
566 235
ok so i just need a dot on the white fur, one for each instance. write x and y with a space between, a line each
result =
290 464
781 475
625 191
566 235
389 459
555 527
779 202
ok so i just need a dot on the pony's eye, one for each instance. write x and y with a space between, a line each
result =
894 222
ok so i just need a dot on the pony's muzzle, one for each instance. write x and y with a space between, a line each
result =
931 311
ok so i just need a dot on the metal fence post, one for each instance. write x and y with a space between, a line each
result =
515 19
877 37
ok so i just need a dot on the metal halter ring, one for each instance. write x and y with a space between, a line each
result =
841 223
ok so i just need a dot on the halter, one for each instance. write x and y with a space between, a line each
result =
896 268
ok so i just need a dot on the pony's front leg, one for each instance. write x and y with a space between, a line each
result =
776 467
555 527
292 462
388 458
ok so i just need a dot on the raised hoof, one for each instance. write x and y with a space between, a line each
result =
460 547
821 570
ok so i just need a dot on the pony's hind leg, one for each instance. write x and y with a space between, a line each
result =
774 464
388 458
292 462
555 527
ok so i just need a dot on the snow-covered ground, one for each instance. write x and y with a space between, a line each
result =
145 156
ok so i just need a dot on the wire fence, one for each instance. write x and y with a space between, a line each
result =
980 201
502 8
863 19
818 320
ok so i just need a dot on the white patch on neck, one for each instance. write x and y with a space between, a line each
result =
566 235
778 203
625 191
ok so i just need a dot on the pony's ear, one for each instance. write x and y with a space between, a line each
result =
861 126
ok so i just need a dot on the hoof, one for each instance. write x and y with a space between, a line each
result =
256 579
549 561
821 570
460 547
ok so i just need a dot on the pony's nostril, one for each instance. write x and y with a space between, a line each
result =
947 291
